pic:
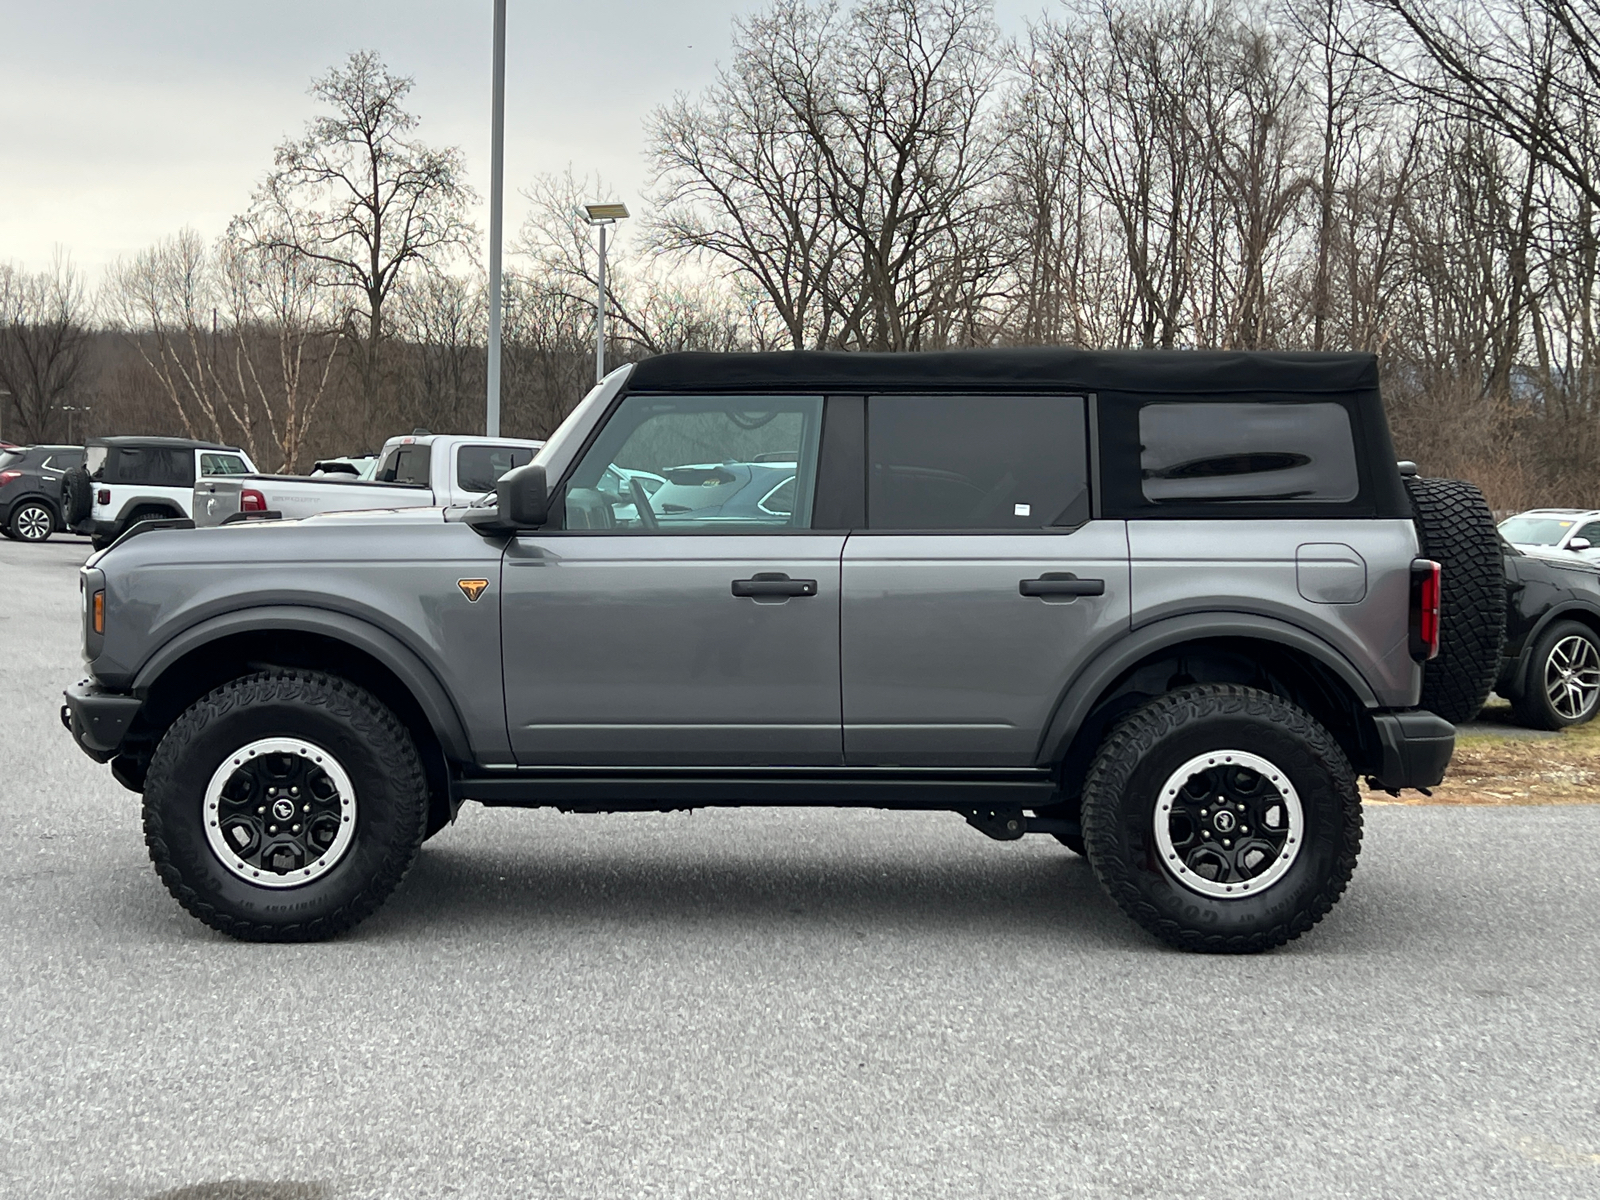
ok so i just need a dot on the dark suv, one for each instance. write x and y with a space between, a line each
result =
30 490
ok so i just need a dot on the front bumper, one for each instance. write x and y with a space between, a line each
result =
98 719
1415 745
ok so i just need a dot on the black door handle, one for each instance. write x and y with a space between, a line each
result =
774 583
1056 584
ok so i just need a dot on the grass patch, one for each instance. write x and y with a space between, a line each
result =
1517 766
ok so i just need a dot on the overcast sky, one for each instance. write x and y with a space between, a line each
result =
121 121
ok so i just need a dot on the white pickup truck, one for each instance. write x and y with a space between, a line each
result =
417 471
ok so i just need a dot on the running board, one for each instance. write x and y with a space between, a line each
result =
651 789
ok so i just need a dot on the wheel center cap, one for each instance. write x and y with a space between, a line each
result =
1224 821
283 809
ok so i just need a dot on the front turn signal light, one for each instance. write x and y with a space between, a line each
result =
100 612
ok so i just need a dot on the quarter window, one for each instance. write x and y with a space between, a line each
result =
1242 452
405 464
976 462
732 464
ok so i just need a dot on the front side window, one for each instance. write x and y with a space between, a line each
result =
733 464
976 462
478 468
222 464
1241 451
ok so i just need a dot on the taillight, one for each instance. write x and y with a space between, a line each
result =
251 500
104 497
1424 609
100 612
7 476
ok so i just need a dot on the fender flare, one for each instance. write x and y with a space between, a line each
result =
414 674
128 506
1564 609
1086 687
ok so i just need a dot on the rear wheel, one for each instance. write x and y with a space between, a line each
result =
1563 684
32 521
284 806
1222 819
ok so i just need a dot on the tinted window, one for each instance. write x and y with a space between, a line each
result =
64 460
700 464
153 466
976 462
1230 452
405 464
10 458
478 468
1592 532
222 464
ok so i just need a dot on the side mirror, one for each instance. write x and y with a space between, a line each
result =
1578 544
524 497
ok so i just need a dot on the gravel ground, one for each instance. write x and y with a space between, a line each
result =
759 1003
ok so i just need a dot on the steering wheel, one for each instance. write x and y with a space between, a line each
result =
641 504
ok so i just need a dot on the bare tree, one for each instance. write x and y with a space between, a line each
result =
44 336
362 199
845 167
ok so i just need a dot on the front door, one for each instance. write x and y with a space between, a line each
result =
686 613
980 585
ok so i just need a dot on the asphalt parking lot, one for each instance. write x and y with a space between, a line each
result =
758 1003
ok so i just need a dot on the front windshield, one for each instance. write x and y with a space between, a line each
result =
1535 531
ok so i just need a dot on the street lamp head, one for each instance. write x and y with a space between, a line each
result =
605 214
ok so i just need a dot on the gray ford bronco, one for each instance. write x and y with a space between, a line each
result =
1167 607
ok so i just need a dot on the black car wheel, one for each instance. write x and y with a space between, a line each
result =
284 806
32 521
1563 684
1222 819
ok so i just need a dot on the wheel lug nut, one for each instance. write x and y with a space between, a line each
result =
294 791
1205 812
1226 842
1244 829
261 810
272 829
305 808
1205 833
1241 808
294 829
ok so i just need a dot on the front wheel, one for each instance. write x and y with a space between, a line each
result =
284 806
1563 684
1222 819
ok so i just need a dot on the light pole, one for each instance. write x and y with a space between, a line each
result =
69 409
497 180
602 215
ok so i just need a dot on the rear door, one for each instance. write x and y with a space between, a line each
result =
981 582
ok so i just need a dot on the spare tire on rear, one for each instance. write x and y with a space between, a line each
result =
1457 531
77 495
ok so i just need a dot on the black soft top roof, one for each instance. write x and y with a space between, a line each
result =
1033 368
161 443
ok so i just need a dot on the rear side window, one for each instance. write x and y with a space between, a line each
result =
478 468
150 466
976 462
405 464
1230 453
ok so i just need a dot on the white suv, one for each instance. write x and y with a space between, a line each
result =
1555 532
133 479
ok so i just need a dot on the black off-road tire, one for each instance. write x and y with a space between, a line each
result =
1122 790
348 722
77 496
1532 705
1457 531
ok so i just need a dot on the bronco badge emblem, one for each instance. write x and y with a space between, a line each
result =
472 588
